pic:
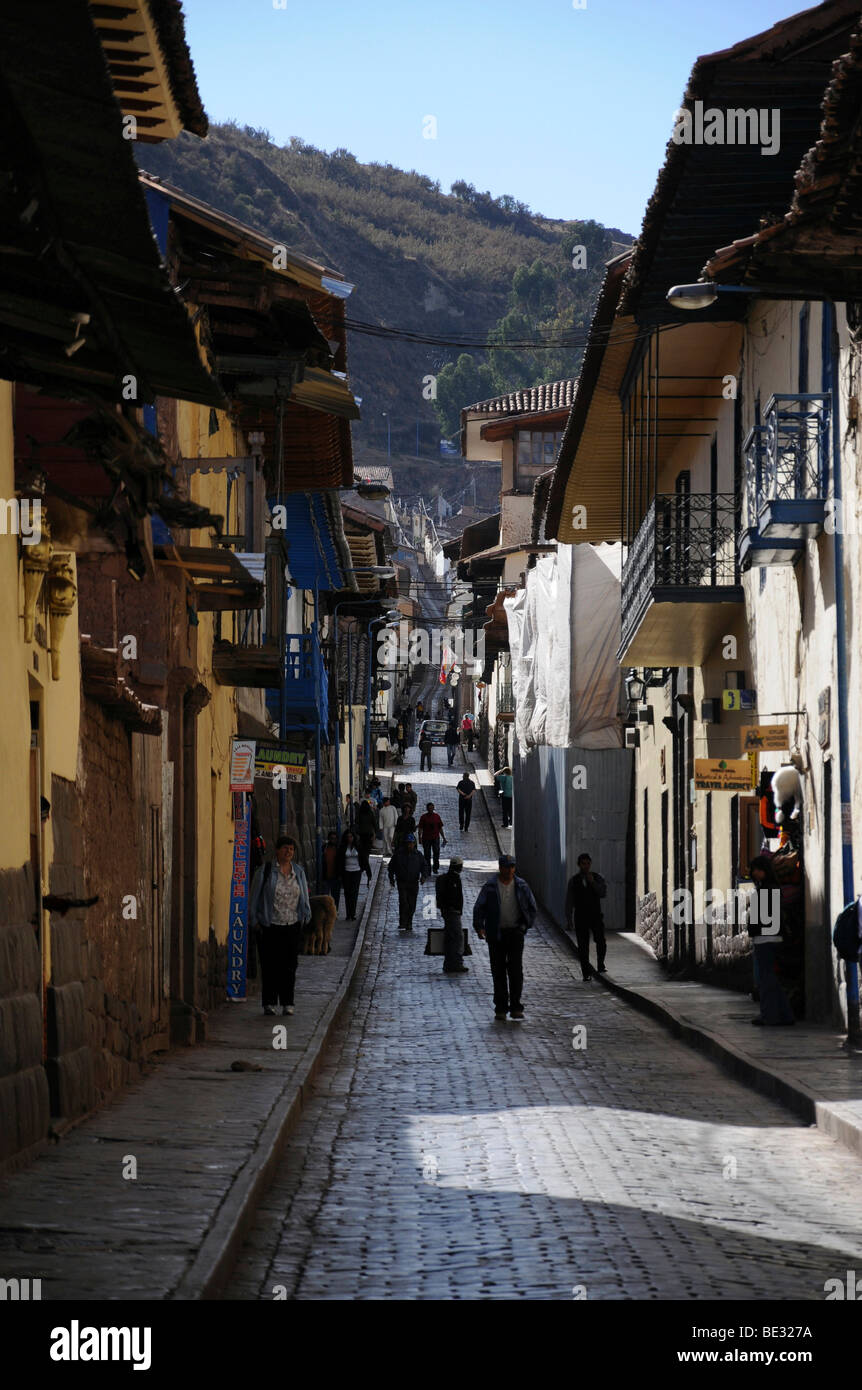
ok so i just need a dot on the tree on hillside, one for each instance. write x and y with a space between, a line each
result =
458 384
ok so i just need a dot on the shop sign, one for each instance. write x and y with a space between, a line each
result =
723 774
242 764
765 738
237 937
285 764
739 699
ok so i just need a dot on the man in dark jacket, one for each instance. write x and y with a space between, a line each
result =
504 911
407 869
450 904
425 746
451 741
366 829
584 914
404 826
466 789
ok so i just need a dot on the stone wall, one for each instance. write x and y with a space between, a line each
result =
69 1064
24 1096
648 922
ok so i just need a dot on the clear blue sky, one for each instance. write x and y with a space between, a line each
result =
567 109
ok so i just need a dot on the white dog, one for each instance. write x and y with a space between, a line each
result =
787 789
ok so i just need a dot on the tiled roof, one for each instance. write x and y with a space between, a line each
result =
549 395
374 473
817 239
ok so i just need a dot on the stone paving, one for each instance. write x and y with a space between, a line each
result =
75 1221
446 1155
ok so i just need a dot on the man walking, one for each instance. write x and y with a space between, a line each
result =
407 869
504 911
279 905
425 746
466 789
366 831
409 799
584 913
381 748
451 740
450 903
468 731
504 784
430 834
388 818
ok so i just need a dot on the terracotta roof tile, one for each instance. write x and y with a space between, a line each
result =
549 395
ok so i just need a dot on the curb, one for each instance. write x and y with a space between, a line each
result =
215 1258
767 1082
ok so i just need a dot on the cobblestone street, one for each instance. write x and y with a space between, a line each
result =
446 1155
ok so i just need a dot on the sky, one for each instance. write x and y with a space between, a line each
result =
568 109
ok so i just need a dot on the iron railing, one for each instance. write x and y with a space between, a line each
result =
505 698
686 541
795 459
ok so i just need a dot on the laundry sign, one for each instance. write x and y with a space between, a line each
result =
765 738
279 764
722 774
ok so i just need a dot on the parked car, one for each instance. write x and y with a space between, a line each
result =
435 729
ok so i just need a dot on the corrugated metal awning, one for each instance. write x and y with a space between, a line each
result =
317 552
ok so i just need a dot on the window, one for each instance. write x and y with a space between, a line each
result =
535 453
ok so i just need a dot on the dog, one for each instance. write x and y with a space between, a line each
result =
787 793
318 933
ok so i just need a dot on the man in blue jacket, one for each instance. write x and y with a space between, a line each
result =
280 906
504 911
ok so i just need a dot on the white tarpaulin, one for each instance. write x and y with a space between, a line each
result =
564 630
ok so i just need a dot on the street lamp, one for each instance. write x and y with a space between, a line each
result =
635 688
388 420
704 293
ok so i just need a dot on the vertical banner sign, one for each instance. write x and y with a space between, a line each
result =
237 942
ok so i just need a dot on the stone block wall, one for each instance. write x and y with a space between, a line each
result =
25 1108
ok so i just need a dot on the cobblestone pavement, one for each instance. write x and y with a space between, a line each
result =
446 1155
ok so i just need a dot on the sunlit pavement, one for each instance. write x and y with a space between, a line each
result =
446 1155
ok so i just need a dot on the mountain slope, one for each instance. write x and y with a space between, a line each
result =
422 260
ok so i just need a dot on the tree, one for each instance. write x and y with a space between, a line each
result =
459 384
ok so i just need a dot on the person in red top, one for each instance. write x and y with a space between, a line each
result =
430 835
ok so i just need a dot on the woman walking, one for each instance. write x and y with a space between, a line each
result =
280 907
350 872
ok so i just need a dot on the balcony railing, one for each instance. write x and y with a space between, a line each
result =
305 683
797 442
505 698
787 471
684 549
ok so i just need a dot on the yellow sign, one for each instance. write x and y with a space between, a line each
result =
723 774
765 737
754 760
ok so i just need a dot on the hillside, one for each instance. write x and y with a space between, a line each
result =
422 260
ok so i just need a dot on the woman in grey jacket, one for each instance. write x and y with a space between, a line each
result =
280 906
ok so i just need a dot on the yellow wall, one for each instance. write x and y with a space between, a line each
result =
20 660
15 723
217 722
